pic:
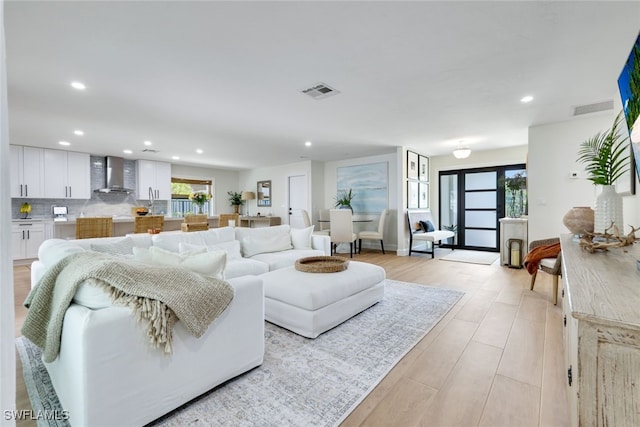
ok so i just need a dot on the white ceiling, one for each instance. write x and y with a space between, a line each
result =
226 77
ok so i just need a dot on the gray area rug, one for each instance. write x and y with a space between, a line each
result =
472 257
302 382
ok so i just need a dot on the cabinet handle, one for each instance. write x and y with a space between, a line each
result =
26 190
22 234
69 191
564 321
28 235
20 190
570 375
65 191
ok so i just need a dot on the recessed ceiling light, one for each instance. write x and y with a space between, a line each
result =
65 143
175 157
78 85
308 143
199 151
78 132
127 151
526 99
148 143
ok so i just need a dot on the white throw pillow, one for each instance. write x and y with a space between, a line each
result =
264 240
210 264
121 247
301 237
232 248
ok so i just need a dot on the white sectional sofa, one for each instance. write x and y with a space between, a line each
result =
107 374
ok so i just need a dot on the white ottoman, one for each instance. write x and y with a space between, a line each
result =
312 303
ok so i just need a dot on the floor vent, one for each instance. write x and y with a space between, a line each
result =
320 91
593 108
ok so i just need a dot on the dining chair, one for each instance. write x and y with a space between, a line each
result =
223 219
324 226
142 224
305 218
341 223
90 227
374 235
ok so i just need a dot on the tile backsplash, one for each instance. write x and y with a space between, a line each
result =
100 204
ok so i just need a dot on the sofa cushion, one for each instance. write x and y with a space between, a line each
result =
51 251
121 247
264 240
277 260
244 267
91 295
301 237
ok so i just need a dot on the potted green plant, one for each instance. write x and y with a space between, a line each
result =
344 198
235 199
606 156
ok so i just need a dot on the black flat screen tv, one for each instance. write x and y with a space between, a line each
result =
629 85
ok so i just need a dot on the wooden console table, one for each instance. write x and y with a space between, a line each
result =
601 315
259 221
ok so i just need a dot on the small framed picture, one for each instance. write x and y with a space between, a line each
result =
412 194
412 165
423 191
423 166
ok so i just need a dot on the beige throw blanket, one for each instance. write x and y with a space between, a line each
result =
157 295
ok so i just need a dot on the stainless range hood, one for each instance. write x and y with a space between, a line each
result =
114 171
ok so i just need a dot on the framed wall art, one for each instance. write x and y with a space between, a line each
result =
412 194
423 168
412 165
423 195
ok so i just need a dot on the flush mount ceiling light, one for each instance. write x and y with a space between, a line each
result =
78 85
526 99
65 143
462 152
78 132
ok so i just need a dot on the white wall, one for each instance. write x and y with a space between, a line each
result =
553 152
223 181
395 211
279 176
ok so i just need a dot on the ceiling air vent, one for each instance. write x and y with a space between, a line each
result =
320 91
150 150
593 108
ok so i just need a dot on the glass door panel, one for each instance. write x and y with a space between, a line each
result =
449 204
480 209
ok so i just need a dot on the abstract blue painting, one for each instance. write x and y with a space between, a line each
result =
370 184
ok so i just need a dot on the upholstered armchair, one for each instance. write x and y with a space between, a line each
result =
551 266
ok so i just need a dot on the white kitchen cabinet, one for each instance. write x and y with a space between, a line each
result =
27 177
155 176
26 238
67 175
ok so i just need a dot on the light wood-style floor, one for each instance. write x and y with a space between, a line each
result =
495 359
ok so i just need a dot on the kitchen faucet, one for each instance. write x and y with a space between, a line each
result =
151 200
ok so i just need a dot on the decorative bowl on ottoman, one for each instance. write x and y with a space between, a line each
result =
322 264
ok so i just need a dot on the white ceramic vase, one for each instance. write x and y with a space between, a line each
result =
608 209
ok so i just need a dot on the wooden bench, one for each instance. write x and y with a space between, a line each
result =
417 233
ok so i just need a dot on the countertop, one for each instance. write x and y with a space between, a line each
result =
72 220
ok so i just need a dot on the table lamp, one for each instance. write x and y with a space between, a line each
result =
248 195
